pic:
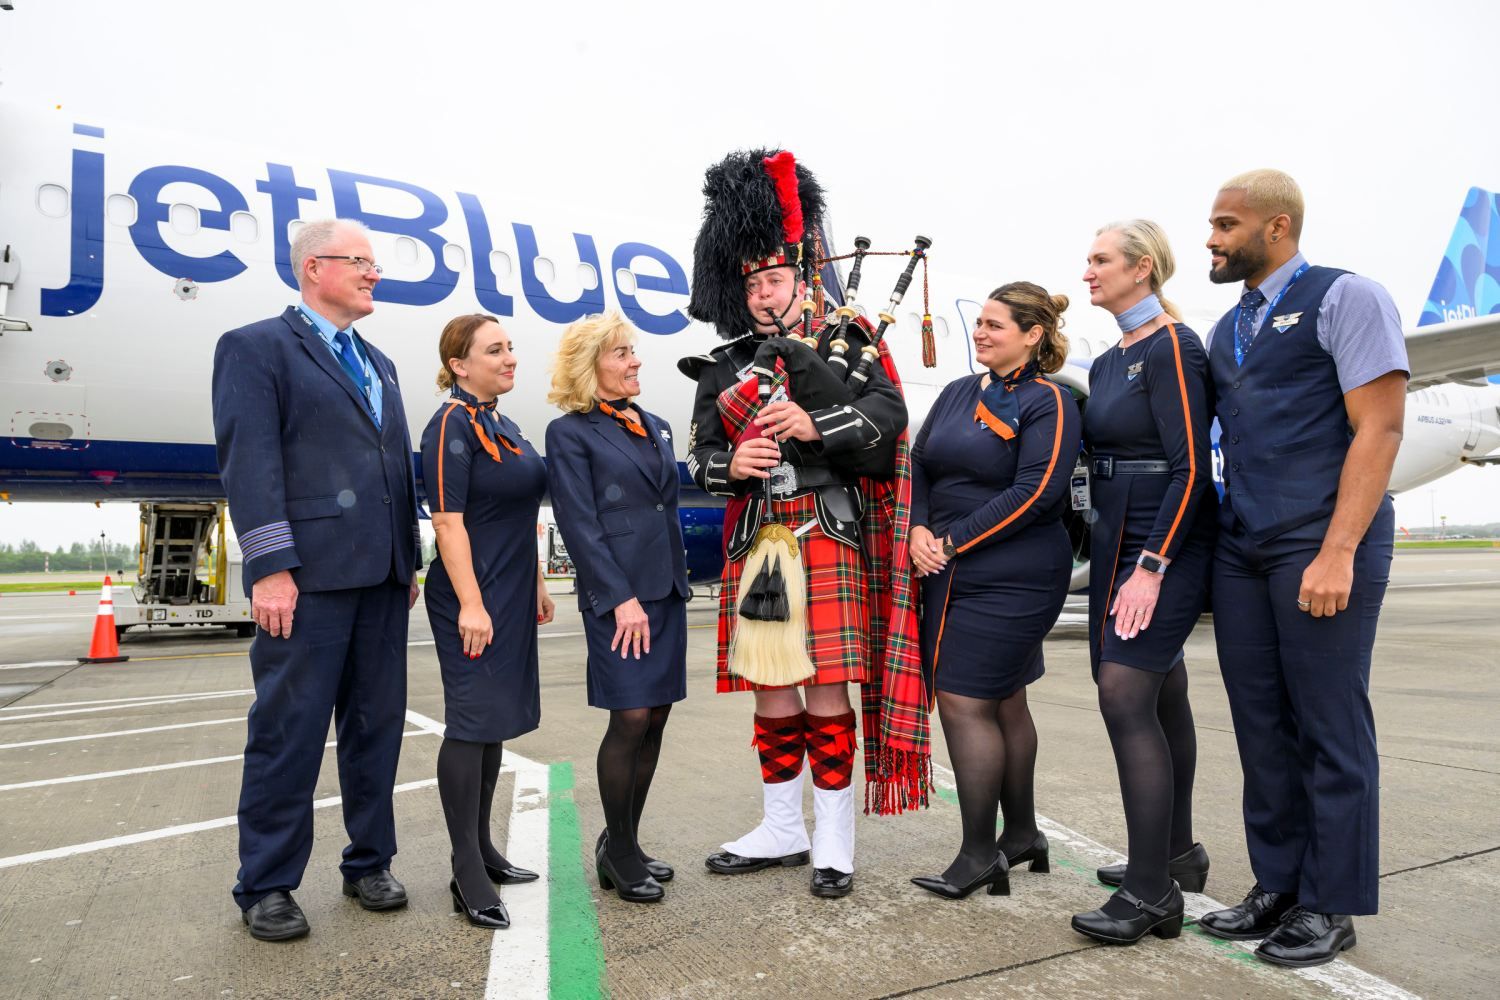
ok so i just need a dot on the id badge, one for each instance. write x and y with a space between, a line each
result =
1078 487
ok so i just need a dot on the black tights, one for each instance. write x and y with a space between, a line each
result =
467 773
992 744
1150 726
627 763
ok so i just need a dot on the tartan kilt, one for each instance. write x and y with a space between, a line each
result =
838 616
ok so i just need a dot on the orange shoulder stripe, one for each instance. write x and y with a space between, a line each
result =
1046 476
443 450
1187 424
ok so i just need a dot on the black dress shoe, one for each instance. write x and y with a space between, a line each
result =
276 917
1162 918
495 917
1189 870
1255 917
1305 938
728 863
1035 852
830 883
510 875
996 876
646 890
660 870
377 891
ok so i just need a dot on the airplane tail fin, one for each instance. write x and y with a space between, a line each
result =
1468 278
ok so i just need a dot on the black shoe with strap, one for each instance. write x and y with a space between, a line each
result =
1256 916
996 876
377 891
275 917
1035 852
1162 918
1304 938
660 870
1189 870
642 890
830 883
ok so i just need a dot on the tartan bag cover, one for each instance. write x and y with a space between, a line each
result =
895 701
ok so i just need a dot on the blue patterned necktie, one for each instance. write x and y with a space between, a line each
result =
1244 322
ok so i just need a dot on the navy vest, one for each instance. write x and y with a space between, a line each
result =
1284 431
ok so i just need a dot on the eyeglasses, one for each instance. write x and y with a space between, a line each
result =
362 265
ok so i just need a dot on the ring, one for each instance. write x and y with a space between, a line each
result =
1304 604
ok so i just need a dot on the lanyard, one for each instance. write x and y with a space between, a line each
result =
1239 355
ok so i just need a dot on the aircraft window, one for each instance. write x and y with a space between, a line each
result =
244 226
1085 348
52 200
184 218
625 281
292 229
587 276
406 250
120 209
546 272
500 264
454 257
861 310
940 326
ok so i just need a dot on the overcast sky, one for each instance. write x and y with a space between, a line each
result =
1007 132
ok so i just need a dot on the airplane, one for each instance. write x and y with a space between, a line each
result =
124 253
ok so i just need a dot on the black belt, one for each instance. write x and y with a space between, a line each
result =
1106 467
788 481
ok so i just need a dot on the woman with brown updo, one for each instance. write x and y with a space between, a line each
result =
485 596
989 476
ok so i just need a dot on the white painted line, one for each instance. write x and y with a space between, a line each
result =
1339 976
171 831
126 701
175 765
38 663
119 732
139 704
520 963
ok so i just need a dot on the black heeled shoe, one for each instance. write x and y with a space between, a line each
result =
647 890
1162 918
495 917
1189 870
510 875
996 876
660 870
1035 852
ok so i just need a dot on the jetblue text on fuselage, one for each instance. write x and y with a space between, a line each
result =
287 200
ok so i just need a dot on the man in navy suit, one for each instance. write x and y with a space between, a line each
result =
316 461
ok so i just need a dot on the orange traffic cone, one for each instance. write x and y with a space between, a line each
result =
105 647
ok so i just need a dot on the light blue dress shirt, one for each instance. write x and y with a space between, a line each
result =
327 331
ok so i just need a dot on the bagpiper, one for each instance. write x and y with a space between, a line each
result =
814 465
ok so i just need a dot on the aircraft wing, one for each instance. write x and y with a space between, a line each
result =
1457 351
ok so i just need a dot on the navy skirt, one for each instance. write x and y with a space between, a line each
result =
985 616
658 677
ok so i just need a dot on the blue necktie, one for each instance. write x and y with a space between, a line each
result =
354 366
1244 322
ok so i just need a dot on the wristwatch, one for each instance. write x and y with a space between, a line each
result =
1151 563
948 550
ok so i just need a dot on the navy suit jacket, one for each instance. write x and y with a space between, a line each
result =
617 509
314 485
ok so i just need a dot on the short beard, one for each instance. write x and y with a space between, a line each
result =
1241 265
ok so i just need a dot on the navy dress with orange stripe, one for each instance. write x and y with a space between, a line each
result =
1001 500
1151 401
498 696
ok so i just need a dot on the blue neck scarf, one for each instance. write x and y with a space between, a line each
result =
998 408
1140 314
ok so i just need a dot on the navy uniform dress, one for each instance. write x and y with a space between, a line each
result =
1146 428
498 696
997 486
614 492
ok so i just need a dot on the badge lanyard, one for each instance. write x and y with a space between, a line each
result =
1239 355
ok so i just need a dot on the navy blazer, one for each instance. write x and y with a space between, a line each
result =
314 485
617 509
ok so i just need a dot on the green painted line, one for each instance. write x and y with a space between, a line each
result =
575 951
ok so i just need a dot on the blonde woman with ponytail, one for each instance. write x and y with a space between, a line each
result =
1146 431
989 487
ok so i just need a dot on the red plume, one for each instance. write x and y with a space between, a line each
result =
782 169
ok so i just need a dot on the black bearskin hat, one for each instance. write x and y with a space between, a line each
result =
762 210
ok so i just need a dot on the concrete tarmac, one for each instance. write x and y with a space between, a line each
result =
119 783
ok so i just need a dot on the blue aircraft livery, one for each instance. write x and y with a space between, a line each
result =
1468 279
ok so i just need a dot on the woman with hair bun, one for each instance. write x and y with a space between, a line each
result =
1146 429
989 486
485 596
